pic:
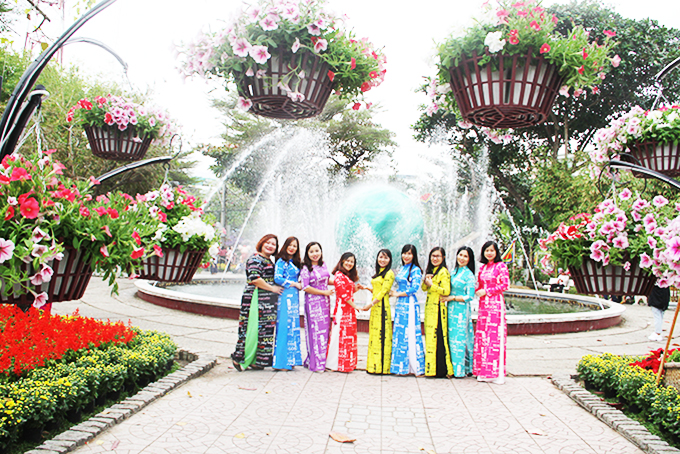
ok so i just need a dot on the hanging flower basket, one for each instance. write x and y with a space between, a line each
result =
113 144
593 278
511 91
174 266
281 93
70 279
662 157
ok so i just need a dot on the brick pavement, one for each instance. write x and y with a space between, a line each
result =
293 412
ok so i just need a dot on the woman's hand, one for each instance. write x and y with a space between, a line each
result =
276 289
428 280
297 285
445 299
481 292
328 292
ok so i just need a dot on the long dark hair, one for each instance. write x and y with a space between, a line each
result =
307 261
487 245
471 257
412 249
352 274
382 273
430 267
283 252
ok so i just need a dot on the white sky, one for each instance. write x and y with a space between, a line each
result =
143 32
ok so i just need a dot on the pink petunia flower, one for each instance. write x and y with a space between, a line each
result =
321 45
673 248
616 61
626 266
6 249
659 201
243 103
260 54
564 91
645 260
651 241
39 235
597 255
625 194
40 300
241 47
296 45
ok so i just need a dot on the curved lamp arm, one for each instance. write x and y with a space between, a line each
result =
9 121
82 39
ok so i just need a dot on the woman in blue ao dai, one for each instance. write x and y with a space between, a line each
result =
461 336
286 274
408 354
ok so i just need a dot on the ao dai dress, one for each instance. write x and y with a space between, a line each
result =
317 316
491 332
342 350
437 357
461 335
257 317
287 345
380 326
408 355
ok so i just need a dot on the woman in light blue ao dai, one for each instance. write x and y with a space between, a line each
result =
461 337
408 354
286 274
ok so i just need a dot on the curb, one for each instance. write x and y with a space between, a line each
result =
81 433
635 432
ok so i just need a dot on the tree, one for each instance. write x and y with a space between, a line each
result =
526 165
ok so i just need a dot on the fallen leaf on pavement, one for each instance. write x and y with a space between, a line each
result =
115 445
247 389
536 432
240 435
430 451
99 442
189 394
181 423
342 438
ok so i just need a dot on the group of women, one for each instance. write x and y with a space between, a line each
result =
269 322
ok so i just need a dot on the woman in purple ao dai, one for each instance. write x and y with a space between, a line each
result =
314 278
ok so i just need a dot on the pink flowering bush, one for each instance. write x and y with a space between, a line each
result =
515 28
637 125
622 229
244 48
122 113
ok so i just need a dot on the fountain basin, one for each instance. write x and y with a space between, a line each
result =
596 313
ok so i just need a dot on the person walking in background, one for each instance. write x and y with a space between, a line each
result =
342 349
257 317
286 273
492 332
437 283
408 355
658 301
461 335
314 279
380 324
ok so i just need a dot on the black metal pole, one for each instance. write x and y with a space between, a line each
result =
9 118
644 170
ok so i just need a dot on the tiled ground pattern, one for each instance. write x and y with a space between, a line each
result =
294 412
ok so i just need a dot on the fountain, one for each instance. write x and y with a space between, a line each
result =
299 197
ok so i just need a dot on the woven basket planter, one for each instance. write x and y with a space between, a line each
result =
70 279
593 278
174 266
116 145
662 157
270 100
512 91
672 375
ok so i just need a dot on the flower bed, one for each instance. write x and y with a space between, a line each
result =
633 380
98 359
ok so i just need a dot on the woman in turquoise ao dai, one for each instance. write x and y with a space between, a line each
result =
408 354
286 274
461 336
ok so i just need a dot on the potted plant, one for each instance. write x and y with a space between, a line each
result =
286 58
650 137
118 128
53 234
617 250
507 69
181 241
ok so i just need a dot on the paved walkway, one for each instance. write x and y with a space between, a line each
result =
293 412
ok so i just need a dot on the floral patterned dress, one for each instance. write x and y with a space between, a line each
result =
342 350
380 326
287 345
461 335
317 316
491 332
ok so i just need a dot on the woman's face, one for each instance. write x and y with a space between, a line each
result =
463 258
315 253
383 260
407 257
348 264
490 253
269 247
292 248
436 258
